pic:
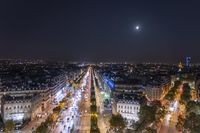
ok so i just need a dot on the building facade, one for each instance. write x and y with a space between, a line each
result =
128 109
157 91
128 105
16 108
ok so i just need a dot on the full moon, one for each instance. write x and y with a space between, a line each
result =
137 27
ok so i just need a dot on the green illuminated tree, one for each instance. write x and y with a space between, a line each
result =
43 128
117 122
192 123
9 125
150 130
180 123
186 96
57 110
93 109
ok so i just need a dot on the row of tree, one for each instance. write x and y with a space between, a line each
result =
8 126
52 118
43 128
173 91
150 116
93 109
117 123
190 121
186 95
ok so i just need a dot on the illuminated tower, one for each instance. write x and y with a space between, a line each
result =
180 66
187 61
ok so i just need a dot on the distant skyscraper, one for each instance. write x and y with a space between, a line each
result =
187 61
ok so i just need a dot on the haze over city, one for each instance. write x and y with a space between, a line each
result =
100 30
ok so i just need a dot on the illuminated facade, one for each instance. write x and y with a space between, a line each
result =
187 61
16 108
128 105
128 109
156 92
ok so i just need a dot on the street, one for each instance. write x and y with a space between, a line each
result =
171 118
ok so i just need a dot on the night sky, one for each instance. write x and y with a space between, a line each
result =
99 30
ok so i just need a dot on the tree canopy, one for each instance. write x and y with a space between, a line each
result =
192 123
9 125
186 96
43 128
117 122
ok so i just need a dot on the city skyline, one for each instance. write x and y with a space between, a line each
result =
46 96
100 30
99 66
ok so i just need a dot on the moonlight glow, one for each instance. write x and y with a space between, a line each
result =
137 27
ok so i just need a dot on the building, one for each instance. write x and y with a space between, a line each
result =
17 108
27 90
157 92
128 109
46 90
128 105
187 61
156 89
